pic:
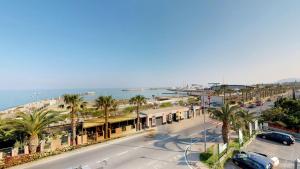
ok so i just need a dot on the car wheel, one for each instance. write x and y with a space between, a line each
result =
264 137
285 142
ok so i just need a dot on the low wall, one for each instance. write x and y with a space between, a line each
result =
14 152
81 139
99 137
55 144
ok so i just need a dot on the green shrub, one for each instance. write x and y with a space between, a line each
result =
167 104
129 109
209 157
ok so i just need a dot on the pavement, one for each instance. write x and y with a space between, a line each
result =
163 148
197 146
286 154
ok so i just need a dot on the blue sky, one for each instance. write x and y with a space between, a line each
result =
141 43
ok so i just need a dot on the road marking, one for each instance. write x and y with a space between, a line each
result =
103 160
135 148
122 153
199 132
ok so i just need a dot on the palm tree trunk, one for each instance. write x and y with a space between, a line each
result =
33 143
225 132
106 123
73 126
224 101
243 100
138 119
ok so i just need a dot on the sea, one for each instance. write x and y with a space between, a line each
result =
14 98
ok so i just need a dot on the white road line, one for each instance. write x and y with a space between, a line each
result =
122 153
104 160
135 148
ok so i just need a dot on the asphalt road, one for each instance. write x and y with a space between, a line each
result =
161 149
259 109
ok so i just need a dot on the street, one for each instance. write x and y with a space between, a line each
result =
259 109
163 148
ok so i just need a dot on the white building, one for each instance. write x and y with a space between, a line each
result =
157 117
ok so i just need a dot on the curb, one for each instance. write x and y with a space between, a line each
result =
189 147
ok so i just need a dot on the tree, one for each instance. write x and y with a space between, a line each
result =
138 101
243 91
6 132
222 89
33 125
226 114
244 117
75 103
193 101
107 103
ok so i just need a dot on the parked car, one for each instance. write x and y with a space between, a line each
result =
251 106
252 160
259 103
242 105
283 138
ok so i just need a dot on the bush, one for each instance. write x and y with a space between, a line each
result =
129 109
209 157
21 159
205 156
167 104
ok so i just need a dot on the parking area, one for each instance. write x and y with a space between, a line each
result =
286 154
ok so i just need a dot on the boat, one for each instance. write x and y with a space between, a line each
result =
89 93
132 90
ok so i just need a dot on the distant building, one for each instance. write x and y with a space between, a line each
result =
232 87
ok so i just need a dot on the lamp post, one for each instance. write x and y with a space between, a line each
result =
203 112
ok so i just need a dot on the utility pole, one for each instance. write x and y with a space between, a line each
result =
294 91
203 112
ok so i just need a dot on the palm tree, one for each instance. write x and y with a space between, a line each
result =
5 131
243 118
75 103
107 103
222 89
226 114
33 125
138 100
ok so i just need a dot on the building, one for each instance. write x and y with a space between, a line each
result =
126 124
157 117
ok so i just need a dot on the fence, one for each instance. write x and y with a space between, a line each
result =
297 164
12 151
276 128
6 152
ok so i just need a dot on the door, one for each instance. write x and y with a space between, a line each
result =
159 121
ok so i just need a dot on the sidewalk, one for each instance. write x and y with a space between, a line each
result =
193 151
82 150
175 127
192 157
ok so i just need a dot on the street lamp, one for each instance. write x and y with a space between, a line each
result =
203 112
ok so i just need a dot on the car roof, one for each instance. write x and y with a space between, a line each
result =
281 133
254 157
259 158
